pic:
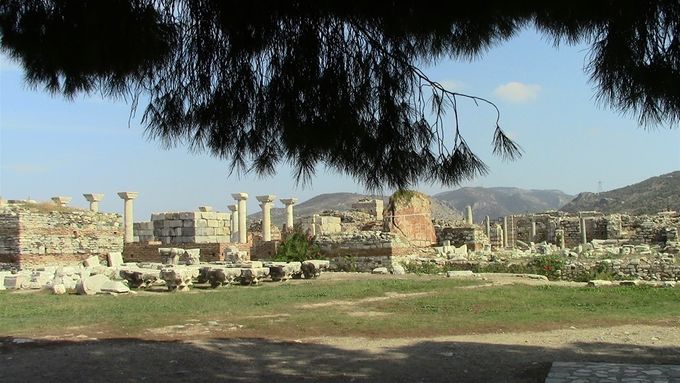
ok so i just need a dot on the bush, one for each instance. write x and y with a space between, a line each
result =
549 265
296 247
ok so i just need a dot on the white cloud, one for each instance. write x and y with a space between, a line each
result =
517 92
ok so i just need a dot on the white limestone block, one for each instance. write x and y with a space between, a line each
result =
91 285
115 259
59 289
91 261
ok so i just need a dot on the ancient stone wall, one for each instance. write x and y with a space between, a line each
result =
472 235
35 237
143 232
410 215
649 270
191 227
263 250
637 229
320 225
364 251
374 207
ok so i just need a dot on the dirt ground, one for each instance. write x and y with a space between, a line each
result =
494 357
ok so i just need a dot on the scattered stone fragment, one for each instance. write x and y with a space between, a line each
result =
599 283
380 270
252 275
117 287
115 259
398 270
91 285
91 261
59 289
459 273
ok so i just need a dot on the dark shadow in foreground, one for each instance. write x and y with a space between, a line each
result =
261 360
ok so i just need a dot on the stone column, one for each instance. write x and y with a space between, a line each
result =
505 232
289 202
500 235
488 227
233 224
128 216
242 215
61 200
468 215
94 199
533 230
584 238
266 201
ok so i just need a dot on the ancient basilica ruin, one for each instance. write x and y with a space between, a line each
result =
53 245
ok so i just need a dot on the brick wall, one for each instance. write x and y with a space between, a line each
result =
65 236
410 215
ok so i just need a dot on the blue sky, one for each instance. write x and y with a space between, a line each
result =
51 146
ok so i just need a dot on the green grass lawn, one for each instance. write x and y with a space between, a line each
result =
283 310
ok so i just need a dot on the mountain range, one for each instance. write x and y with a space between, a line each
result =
647 197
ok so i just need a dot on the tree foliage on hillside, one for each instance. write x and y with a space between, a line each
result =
260 83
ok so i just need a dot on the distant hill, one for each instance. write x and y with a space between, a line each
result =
500 201
344 201
647 197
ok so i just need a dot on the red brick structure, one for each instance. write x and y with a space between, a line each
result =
409 213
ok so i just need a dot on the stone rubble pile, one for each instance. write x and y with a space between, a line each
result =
180 269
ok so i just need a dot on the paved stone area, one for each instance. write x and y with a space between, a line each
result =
585 372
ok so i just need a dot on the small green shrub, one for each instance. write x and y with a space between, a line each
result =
549 265
297 247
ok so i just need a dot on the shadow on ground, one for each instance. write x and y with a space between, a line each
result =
259 360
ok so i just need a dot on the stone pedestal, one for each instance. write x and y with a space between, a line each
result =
128 216
289 202
233 224
266 201
242 215
61 200
94 199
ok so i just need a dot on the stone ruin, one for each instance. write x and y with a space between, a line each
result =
178 249
179 271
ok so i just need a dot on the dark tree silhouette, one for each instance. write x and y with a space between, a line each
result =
261 83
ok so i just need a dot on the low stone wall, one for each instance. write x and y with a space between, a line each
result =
364 251
655 270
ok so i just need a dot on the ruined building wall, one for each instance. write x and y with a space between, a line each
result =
473 236
32 237
188 227
364 251
374 207
410 214
636 229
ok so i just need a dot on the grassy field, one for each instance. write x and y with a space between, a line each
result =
418 306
